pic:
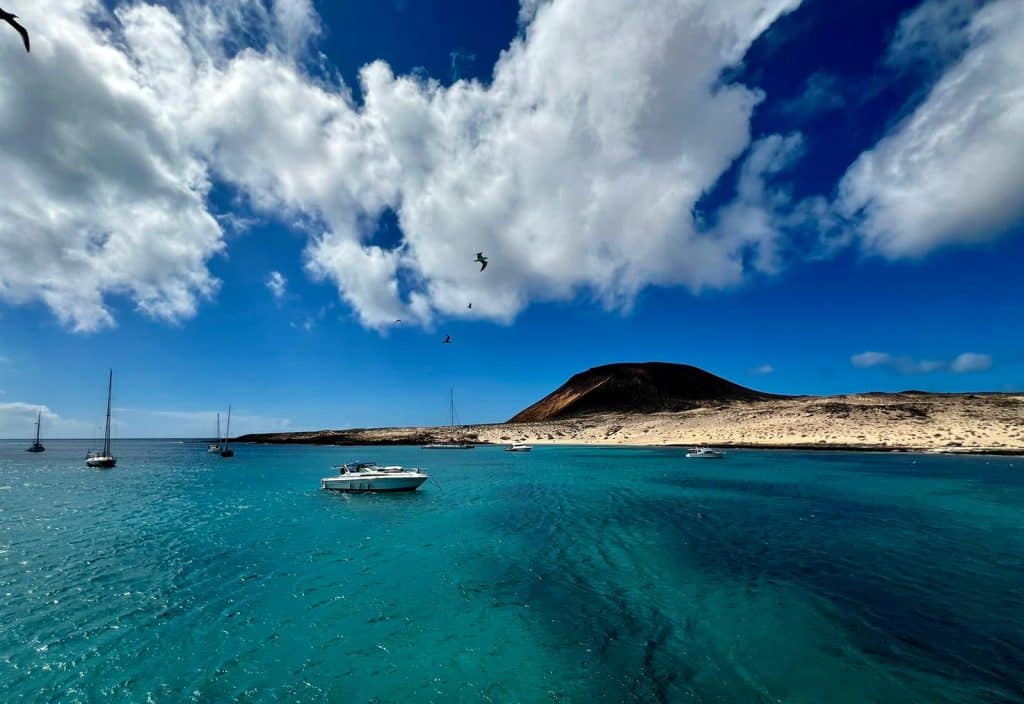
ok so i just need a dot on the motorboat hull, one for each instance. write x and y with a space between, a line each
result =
101 462
519 448
713 455
372 484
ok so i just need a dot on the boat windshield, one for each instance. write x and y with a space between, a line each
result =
352 467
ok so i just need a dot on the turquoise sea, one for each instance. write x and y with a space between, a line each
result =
564 575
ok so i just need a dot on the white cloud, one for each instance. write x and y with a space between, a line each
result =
571 181
932 33
953 171
971 362
966 362
822 93
141 422
18 420
763 370
101 195
278 285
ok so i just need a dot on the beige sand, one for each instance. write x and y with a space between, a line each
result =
947 423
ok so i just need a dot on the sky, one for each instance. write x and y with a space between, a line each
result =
236 201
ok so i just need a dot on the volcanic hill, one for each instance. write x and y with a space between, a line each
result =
647 387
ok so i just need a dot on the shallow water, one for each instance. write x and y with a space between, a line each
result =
566 574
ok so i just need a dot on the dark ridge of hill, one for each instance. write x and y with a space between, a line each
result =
646 387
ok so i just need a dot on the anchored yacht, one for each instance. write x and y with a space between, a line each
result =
704 453
369 477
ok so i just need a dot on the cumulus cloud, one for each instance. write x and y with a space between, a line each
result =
571 182
278 285
952 172
101 196
966 362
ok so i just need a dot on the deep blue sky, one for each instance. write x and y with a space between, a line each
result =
307 359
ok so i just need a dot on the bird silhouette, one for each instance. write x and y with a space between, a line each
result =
447 339
398 321
10 19
482 259
470 306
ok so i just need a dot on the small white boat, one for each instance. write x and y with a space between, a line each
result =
518 447
369 477
704 453
104 459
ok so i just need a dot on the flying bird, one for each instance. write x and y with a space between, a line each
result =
482 259
11 20
447 339
470 306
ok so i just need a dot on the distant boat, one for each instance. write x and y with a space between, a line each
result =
104 460
453 442
37 446
214 447
704 453
368 477
226 451
518 447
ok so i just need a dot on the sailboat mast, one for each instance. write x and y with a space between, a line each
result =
227 431
106 434
38 421
218 428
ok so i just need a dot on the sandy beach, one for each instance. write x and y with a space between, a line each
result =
974 423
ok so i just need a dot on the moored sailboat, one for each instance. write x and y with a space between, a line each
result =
37 446
214 447
453 442
103 459
226 451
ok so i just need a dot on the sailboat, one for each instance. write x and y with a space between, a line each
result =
37 446
214 447
104 460
452 443
226 451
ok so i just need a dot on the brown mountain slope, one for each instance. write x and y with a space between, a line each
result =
645 387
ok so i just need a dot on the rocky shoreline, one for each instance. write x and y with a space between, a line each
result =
911 422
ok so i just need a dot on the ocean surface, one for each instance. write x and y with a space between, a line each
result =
564 575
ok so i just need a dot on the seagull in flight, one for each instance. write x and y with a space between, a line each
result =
447 339
482 259
12 20
470 306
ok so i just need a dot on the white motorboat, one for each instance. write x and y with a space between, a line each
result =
103 459
519 447
369 477
704 453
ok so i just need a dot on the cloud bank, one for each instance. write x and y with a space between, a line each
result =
577 168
